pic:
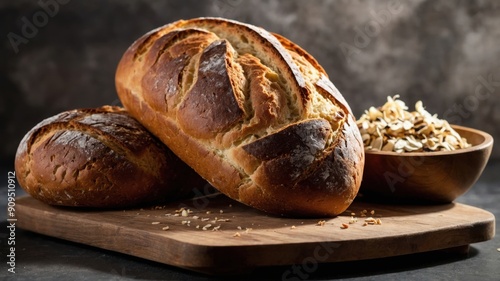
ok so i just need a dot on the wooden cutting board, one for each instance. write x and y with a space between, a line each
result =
220 236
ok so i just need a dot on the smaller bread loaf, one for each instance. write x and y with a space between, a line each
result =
99 158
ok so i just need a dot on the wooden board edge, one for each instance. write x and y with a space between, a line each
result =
218 259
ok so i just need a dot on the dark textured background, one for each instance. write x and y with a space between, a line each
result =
445 53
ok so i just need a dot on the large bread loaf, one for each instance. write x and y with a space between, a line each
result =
102 158
250 111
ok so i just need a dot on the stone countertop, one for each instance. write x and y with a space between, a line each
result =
39 257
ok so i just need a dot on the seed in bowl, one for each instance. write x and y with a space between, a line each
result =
392 127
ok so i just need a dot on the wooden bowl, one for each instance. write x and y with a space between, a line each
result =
432 177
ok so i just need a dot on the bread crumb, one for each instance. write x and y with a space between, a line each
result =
165 228
379 221
247 230
237 234
216 228
365 224
197 226
196 217
184 213
176 215
155 222
353 214
221 211
321 223
204 219
207 226
293 227
208 212
239 228
372 212
353 220
344 226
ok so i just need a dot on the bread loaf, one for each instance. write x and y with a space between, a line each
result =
99 158
250 111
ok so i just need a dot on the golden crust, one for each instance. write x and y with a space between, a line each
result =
251 112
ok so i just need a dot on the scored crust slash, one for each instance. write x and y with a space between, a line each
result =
250 111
